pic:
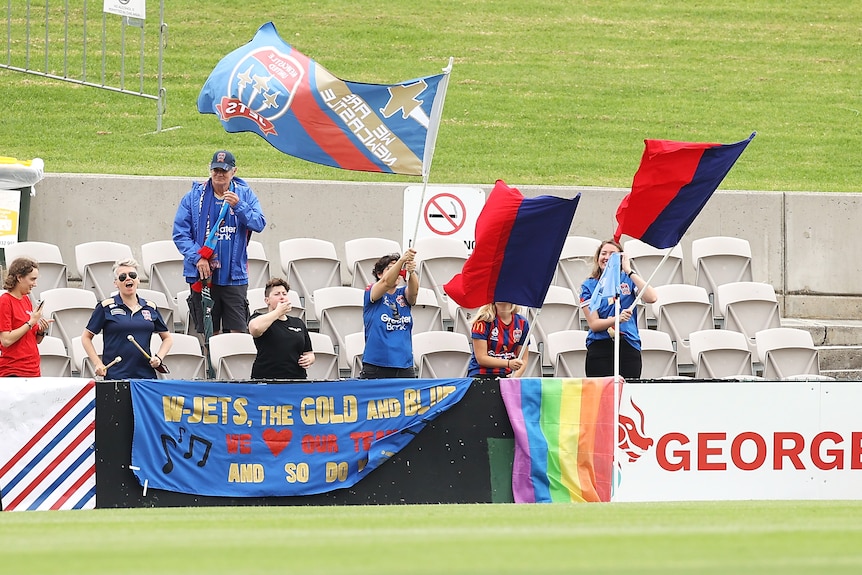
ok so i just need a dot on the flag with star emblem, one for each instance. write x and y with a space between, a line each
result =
269 88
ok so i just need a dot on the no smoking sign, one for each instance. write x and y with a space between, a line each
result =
445 214
445 211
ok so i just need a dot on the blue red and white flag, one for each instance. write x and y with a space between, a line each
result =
518 245
269 88
671 187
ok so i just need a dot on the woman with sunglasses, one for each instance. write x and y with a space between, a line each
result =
21 328
123 315
388 322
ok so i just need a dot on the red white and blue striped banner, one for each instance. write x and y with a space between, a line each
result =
47 457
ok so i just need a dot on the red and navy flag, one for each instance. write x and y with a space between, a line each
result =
518 245
671 187
269 88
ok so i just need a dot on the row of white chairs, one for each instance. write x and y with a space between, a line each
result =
783 353
681 309
716 260
161 263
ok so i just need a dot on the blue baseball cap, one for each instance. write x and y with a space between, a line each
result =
223 160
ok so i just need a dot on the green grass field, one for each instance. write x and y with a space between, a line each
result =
554 92
706 538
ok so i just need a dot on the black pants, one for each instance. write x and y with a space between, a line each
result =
600 359
371 371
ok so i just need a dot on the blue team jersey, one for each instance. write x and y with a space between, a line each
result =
388 330
117 323
628 294
503 342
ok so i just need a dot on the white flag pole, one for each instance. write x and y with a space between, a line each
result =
431 141
649 281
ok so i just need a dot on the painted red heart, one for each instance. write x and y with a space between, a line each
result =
277 440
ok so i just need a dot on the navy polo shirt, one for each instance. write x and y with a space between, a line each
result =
116 322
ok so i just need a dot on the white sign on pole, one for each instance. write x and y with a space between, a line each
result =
128 8
10 208
444 211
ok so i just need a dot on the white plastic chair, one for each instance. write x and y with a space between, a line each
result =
787 352
439 260
185 359
325 366
52 268
258 265
645 260
54 360
309 264
354 347
71 309
576 262
720 260
95 261
534 359
720 354
360 254
560 312
441 354
339 312
658 357
680 310
80 362
748 307
566 351
462 318
163 263
426 313
232 355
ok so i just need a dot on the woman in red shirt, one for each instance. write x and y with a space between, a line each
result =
21 328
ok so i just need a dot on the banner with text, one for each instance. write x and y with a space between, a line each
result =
241 440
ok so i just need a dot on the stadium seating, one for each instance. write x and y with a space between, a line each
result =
441 354
576 262
54 360
325 366
719 260
52 268
95 262
439 260
786 353
680 310
360 254
309 264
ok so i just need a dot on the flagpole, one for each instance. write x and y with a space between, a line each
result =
617 390
649 281
431 142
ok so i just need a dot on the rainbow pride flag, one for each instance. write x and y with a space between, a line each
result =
564 438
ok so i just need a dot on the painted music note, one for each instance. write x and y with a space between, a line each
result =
208 445
169 466
181 434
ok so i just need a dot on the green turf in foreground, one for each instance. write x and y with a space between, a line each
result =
712 537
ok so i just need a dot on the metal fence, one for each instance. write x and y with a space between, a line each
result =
82 43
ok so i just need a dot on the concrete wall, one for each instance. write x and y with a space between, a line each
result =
802 243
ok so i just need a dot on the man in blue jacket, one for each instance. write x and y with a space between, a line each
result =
212 229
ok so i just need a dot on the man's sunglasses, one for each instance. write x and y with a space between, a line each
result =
122 277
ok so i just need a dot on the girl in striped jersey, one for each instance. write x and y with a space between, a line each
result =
499 332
